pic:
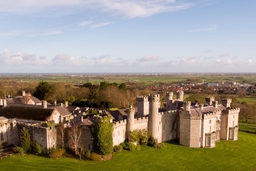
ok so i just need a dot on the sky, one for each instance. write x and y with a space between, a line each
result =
127 36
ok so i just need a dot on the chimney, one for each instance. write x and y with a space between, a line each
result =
186 105
66 103
215 104
201 106
23 93
61 104
44 104
4 103
1 102
55 103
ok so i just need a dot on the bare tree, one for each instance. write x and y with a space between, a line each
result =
61 133
75 133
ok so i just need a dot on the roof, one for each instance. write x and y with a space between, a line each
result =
26 112
195 110
62 110
116 113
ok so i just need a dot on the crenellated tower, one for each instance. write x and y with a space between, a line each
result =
142 106
154 100
169 100
180 95
130 120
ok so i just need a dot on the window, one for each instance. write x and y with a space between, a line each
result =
210 121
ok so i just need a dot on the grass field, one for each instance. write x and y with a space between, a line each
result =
248 100
247 126
228 155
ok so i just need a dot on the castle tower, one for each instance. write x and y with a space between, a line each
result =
209 100
142 106
227 102
169 98
130 120
154 100
180 95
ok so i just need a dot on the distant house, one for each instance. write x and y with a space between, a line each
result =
26 98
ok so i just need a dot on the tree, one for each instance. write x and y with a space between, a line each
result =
42 90
103 135
75 133
61 134
25 139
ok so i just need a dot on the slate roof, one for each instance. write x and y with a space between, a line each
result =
26 112
195 110
62 110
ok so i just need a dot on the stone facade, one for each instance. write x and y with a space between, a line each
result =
194 125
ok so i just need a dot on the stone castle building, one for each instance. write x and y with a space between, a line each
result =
194 125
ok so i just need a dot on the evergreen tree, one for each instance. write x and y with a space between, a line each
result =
103 135
25 140
42 90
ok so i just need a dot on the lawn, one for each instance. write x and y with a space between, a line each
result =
247 126
228 155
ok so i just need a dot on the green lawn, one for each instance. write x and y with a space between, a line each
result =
228 155
247 126
248 100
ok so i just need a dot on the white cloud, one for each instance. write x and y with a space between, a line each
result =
84 23
126 8
100 24
149 59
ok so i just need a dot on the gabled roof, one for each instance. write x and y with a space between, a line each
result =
194 110
62 110
26 112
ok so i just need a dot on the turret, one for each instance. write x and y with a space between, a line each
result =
142 106
154 100
4 102
169 98
215 104
227 103
23 93
187 105
180 95
130 120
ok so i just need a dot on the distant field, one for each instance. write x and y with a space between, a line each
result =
134 78
249 100
227 156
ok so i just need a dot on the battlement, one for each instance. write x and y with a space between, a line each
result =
154 97
142 98
120 123
232 111
167 112
141 120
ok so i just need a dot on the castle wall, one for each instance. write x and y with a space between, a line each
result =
141 123
169 125
8 133
184 128
209 127
195 132
119 132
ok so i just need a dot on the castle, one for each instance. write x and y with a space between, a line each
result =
193 125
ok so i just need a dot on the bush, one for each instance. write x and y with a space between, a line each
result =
151 141
96 157
134 136
118 148
143 134
159 145
132 146
19 150
138 147
57 153
37 148
88 154
125 145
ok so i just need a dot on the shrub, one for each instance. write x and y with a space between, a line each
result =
134 136
159 145
131 146
19 150
57 153
87 154
125 145
138 147
37 148
118 148
151 141
96 157
143 135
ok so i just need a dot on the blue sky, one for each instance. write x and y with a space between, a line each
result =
127 36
